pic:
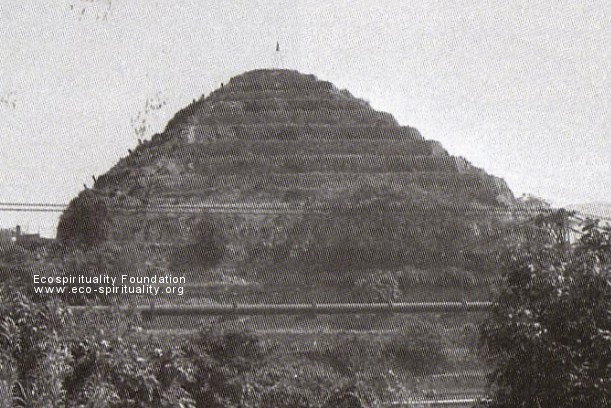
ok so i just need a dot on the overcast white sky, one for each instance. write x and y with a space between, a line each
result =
518 88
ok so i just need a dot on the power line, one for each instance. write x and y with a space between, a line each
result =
32 210
287 209
25 204
34 207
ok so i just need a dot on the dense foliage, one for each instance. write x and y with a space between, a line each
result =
205 249
46 363
85 221
549 334
50 357
33 358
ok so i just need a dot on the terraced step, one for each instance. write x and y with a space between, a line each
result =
341 163
321 116
159 158
310 94
302 147
310 132
268 235
454 183
281 104
201 148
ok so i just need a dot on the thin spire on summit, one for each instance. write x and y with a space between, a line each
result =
278 61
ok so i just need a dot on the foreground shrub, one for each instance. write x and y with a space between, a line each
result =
118 373
549 333
33 357
221 364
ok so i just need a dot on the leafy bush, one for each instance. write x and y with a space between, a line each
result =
378 287
221 363
118 373
48 359
33 357
549 333
44 362
85 221
205 250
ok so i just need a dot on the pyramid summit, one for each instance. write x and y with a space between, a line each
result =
293 157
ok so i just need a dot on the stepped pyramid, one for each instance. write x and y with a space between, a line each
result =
279 187
318 184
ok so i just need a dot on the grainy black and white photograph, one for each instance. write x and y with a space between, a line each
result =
305 204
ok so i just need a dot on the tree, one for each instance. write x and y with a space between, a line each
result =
549 333
84 221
